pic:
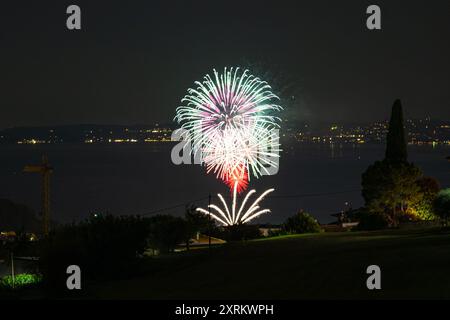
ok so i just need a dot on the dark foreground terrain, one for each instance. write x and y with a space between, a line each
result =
415 264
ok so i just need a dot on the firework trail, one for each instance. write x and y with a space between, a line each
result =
234 215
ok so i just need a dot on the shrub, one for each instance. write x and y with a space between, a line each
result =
196 222
20 281
372 221
302 222
276 233
441 205
240 232
166 232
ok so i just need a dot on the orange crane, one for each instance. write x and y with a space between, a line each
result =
45 170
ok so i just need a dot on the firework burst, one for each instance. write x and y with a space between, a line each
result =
229 119
233 215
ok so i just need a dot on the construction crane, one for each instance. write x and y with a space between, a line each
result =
45 170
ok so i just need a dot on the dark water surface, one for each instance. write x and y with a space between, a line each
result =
140 178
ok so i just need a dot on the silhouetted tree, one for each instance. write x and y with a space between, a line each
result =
302 222
166 232
395 141
390 187
442 205
196 223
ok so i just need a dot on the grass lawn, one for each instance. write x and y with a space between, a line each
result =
414 264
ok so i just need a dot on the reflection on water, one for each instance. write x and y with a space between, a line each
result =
134 179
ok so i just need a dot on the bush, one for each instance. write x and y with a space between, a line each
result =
372 221
441 205
276 233
240 232
196 222
20 281
166 232
302 222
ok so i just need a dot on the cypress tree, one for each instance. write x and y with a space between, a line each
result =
396 141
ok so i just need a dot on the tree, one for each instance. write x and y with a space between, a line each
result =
196 223
166 232
442 205
302 222
429 187
395 141
391 189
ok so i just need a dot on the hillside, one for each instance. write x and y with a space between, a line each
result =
414 264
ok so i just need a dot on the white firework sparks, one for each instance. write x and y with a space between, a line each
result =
232 216
229 119
252 149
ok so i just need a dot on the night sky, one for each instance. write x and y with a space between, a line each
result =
133 60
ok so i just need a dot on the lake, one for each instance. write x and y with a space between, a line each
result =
140 178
